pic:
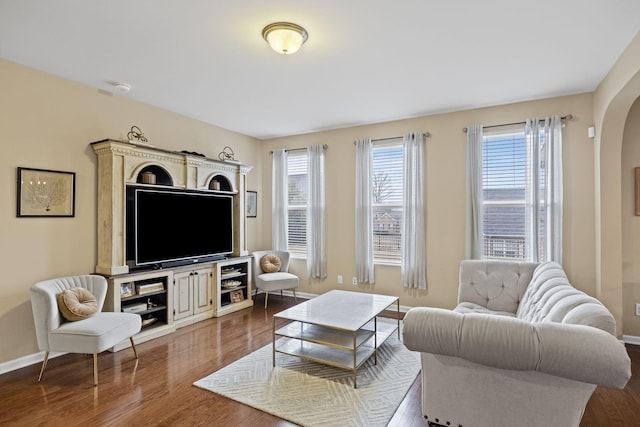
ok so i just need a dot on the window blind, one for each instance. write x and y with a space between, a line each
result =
387 176
504 173
297 203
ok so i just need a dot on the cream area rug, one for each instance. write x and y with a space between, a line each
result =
311 394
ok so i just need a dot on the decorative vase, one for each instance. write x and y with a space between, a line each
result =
148 178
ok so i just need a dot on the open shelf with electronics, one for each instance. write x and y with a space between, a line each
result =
147 295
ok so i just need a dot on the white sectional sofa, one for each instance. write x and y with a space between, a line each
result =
522 348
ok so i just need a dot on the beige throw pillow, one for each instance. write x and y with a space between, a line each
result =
270 263
76 304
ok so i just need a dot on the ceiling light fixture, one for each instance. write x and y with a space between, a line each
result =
123 87
284 37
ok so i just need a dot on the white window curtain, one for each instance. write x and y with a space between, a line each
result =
364 216
474 232
316 250
279 212
544 189
414 259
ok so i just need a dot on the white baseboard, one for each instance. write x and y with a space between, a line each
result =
24 361
631 339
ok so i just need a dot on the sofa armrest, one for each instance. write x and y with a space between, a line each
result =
577 352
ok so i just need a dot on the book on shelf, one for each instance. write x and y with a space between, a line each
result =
134 308
150 287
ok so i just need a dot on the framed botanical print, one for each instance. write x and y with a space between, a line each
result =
43 193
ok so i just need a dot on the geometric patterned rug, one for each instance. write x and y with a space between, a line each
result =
311 394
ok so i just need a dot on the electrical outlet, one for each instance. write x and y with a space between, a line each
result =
339 279
637 309
354 281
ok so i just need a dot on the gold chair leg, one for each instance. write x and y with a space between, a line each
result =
133 346
266 298
44 365
95 369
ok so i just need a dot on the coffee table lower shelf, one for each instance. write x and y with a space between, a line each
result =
333 347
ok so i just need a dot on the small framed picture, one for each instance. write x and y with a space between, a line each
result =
252 204
43 193
127 290
237 296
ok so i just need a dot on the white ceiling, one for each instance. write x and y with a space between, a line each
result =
365 61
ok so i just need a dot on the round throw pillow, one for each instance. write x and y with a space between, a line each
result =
76 304
270 263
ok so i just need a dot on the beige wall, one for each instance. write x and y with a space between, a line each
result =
47 122
445 196
630 223
612 102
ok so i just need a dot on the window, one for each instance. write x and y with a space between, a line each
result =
297 203
506 179
387 195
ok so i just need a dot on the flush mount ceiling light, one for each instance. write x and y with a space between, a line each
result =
284 37
123 87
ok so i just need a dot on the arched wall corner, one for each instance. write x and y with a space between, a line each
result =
612 101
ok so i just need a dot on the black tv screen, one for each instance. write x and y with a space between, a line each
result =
173 226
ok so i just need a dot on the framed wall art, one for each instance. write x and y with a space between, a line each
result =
46 193
252 204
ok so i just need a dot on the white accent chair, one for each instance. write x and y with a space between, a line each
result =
92 335
277 281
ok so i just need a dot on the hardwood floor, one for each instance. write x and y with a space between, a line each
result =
157 390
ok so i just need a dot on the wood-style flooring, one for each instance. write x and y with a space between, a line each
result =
157 390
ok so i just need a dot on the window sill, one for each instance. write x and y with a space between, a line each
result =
387 263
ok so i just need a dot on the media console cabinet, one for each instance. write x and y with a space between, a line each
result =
168 298
171 298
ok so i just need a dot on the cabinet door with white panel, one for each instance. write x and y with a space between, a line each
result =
192 295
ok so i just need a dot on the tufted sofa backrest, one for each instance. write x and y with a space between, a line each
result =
495 285
551 298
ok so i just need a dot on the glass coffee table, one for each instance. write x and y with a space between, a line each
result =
338 328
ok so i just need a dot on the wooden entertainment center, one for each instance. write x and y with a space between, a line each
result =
168 297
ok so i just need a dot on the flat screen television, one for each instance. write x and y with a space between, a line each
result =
173 227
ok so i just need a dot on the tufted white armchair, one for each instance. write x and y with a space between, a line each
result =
92 335
522 348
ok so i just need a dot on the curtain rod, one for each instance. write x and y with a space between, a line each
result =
567 117
325 146
425 134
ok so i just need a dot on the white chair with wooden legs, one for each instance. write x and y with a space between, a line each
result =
92 335
273 281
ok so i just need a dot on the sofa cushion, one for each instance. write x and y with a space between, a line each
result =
469 307
496 285
551 298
